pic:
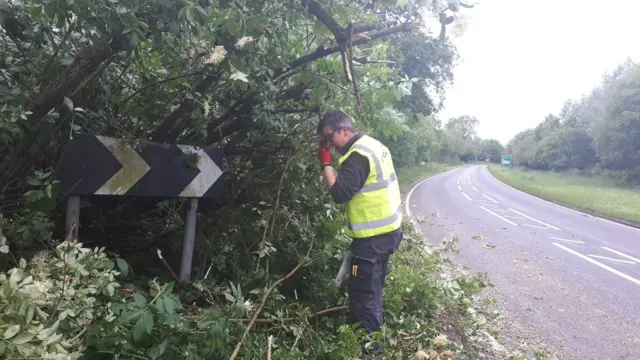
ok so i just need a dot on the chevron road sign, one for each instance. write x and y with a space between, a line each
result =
97 165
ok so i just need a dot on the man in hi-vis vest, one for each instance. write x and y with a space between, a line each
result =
366 183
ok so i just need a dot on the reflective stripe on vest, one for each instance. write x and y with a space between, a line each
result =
376 223
380 183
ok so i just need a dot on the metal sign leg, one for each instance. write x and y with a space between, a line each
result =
189 240
73 217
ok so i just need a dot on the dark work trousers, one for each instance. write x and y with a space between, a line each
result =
369 261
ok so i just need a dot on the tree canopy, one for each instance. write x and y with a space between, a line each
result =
598 132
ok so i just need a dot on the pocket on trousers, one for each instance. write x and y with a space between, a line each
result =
361 278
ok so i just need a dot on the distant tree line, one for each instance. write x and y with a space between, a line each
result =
598 133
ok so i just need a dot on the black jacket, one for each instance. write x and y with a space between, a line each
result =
351 176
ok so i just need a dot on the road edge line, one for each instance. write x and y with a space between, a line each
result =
407 200
613 220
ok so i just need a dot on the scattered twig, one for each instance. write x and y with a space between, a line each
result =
166 264
266 296
274 207
273 321
269 348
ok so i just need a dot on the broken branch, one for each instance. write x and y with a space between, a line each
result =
266 296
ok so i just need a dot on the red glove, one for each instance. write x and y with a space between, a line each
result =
324 154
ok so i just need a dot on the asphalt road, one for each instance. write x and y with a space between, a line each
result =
566 278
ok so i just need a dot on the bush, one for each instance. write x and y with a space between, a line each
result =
70 303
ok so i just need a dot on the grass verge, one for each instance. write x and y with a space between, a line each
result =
592 194
407 175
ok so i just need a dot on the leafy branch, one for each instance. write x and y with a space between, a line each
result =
266 296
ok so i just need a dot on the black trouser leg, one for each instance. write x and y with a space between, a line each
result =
369 264
365 303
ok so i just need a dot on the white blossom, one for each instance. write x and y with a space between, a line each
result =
243 41
216 56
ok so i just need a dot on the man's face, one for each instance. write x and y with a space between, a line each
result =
335 138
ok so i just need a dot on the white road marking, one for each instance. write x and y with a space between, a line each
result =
489 198
459 188
467 196
515 217
530 218
483 202
612 259
567 240
619 273
534 226
621 254
474 188
498 216
408 199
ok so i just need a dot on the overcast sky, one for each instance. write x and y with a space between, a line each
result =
521 60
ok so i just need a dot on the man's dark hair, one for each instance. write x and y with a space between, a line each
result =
336 119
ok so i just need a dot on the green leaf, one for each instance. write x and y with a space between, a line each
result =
123 266
169 289
17 275
160 305
3 347
144 324
23 338
110 290
11 331
138 330
202 11
4 249
23 263
169 305
30 313
189 14
68 103
157 351
140 301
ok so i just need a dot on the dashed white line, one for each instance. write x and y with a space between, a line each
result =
474 188
515 217
621 254
489 198
612 259
467 196
530 218
567 240
498 216
619 273
534 226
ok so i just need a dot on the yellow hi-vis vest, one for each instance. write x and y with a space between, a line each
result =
375 209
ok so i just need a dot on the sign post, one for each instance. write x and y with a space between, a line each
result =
98 165
507 160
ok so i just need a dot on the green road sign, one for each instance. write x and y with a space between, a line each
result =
507 159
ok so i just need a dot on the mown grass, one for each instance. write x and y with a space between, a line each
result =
408 175
595 194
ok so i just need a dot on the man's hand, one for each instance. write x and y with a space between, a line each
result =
324 154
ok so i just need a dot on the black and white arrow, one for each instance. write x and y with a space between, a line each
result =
209 173
133 167
98 165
